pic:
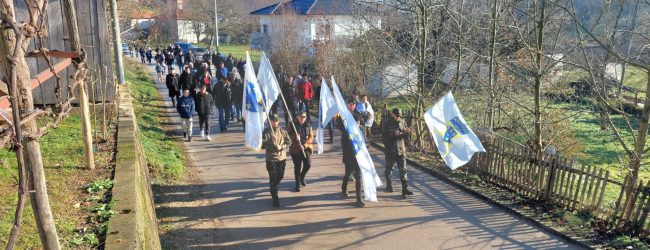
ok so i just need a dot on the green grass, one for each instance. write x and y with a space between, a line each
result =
238 51
164 155
62 152
637 79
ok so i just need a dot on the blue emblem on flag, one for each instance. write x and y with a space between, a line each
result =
459 126
449 134
252 102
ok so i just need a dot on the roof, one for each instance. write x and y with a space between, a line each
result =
308 7
142 14
186 15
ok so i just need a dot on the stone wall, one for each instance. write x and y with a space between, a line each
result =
135 225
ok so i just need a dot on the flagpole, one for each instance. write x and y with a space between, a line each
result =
286 107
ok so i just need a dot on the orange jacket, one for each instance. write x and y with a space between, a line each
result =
307 143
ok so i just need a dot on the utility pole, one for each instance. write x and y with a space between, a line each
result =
117 42
216 25
79 78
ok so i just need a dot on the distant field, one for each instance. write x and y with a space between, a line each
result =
238 51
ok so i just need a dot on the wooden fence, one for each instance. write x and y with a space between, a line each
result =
556 180
94 35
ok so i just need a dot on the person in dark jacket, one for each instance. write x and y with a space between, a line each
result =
172 86
206 57
189 57
217 59
288 91
204 102
169 60
185 109
237 95
223 96
301 148
276 141
142 54
149 55
186 83
394 130
230 62
159 58
349 158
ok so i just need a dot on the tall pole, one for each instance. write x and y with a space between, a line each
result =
117 42
216 25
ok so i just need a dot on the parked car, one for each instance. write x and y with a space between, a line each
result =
125 48
199 52
184 46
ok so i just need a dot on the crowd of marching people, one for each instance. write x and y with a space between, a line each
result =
217 82
196 85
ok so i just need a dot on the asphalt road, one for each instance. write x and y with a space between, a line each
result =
224 202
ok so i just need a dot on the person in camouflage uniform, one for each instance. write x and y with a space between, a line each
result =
394 131
276 141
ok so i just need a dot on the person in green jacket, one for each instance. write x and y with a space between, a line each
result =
276 141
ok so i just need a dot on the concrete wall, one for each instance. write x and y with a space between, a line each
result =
135 225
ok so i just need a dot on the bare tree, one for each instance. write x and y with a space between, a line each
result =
611 41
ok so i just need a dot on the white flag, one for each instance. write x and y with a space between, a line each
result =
268 84
252 104
368 173
455 140
326 111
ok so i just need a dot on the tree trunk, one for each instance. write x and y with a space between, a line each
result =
71 19
423 29
14 60
491 75
539 56
22 172
639 146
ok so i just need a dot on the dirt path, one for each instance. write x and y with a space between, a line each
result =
225 203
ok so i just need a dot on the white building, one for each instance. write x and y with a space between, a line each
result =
307 22
188 26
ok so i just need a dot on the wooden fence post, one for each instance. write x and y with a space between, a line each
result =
80 78
552 163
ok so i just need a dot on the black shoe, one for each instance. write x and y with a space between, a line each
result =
297 187
389 187
189 139
184 135
302 182
360 204
405 189
276 203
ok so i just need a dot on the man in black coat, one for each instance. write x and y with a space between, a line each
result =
349 159
186 82
203 101
223 95
172 86
189 57
237 95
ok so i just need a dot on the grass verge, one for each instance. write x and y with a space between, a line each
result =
164 155
62 152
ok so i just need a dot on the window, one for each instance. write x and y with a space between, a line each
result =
265 29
